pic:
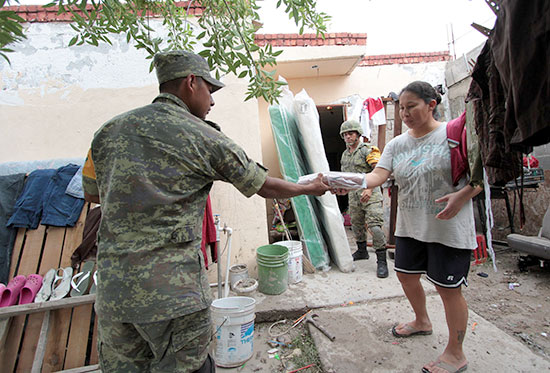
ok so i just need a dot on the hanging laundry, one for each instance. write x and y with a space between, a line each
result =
372 114
209 236
520 43
488 97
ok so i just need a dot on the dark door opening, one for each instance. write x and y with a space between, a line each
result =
330 119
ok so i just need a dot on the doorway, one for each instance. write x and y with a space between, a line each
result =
330 119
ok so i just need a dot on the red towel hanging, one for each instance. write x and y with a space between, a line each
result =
209 233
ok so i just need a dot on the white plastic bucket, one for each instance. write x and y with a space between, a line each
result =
233 320
295 271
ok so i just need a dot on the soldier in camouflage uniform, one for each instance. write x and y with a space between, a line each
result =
154 167
362 157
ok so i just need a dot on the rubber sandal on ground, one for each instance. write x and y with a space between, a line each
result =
28 292
46 290
81 281
446 366
93 288
12 291
2 288
64 286
411 331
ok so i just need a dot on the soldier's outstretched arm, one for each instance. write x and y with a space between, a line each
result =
279 188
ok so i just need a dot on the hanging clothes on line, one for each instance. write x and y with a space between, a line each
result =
520 44
209 236
372 114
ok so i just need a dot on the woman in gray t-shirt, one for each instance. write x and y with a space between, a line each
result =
435 230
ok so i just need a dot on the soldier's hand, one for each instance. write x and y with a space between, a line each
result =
318 187
365 195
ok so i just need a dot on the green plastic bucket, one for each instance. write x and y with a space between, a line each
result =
272 269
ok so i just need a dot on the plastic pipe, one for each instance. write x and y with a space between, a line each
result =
227 231
218 229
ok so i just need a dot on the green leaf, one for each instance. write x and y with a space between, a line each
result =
73 41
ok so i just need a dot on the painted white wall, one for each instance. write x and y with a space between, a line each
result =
54 98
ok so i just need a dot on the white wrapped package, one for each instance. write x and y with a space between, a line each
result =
336 179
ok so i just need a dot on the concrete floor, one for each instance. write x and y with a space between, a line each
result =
360 310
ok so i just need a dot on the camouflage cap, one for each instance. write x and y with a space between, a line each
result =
179 64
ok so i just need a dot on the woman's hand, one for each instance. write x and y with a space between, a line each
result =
365 195
339 191
455 201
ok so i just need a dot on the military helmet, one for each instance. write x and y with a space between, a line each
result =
350 125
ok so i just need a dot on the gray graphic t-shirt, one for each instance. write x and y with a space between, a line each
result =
422 171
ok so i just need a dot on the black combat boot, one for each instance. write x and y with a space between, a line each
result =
382 265
361 252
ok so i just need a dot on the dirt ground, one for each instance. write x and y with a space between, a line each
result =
522 312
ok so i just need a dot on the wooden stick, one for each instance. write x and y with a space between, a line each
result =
287 232
4 329
24 309
308 267
41 346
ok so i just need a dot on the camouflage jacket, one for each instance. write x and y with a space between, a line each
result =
361 160
154 169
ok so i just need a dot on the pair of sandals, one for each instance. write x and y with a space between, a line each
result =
58 283
80 283
20 290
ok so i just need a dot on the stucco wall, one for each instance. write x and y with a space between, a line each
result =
54 98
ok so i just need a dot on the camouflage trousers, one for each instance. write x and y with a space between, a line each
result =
177 345
372 215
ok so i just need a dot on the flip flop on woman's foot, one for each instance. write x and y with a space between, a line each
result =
410 331
443 367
